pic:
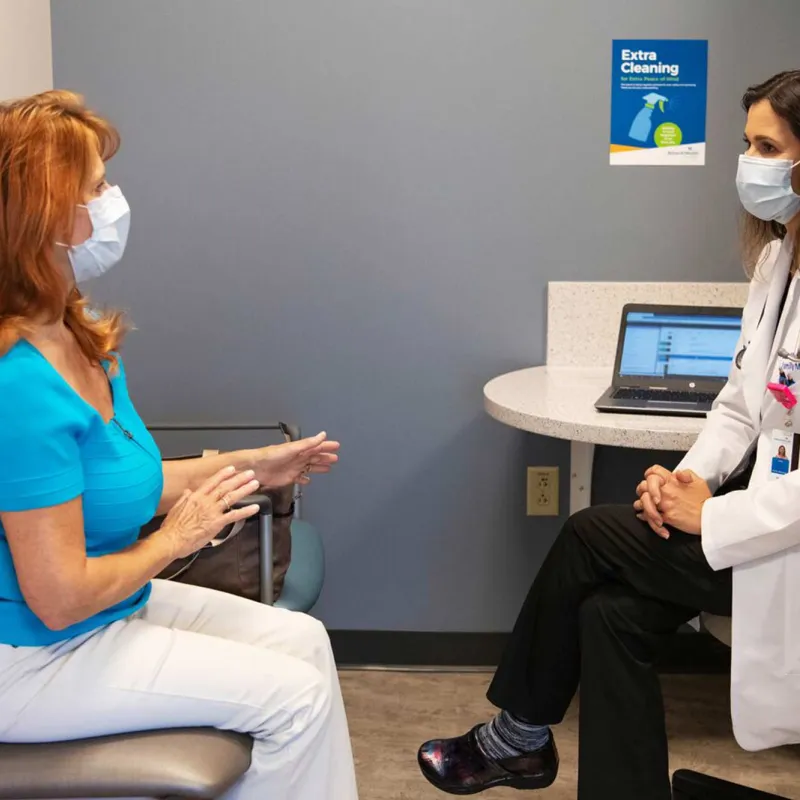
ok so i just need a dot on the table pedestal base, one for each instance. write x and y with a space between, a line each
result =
580 476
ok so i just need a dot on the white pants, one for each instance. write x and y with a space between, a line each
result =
195 657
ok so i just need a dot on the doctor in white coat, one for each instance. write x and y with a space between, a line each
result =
720 534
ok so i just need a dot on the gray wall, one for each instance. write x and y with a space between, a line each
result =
346 213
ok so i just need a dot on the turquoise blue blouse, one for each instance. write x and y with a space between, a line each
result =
55 447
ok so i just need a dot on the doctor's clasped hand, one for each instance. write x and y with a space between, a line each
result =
671 498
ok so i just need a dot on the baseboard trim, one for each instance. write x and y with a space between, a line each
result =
686 653
417 648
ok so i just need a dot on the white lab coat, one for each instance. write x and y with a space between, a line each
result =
757 531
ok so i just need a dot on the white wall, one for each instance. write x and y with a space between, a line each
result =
26 53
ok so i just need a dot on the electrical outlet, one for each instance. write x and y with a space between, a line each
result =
542 491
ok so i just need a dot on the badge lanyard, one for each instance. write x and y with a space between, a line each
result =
793 357
782 390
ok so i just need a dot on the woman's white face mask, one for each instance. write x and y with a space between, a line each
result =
765 188
110 216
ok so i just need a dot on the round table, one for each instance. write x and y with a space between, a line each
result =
559 402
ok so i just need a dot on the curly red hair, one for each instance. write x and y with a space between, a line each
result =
48 144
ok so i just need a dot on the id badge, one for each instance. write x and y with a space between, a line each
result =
785 453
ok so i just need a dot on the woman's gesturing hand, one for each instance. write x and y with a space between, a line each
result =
199 516
294 462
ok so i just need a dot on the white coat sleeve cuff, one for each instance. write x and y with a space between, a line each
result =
712 534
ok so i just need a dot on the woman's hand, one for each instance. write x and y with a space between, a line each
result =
293 462
199 516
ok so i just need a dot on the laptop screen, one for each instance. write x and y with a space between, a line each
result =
664 344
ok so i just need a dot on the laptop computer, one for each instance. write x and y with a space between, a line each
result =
671 360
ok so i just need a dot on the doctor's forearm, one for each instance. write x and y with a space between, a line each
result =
746 525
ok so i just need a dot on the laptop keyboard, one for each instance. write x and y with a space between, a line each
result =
664 396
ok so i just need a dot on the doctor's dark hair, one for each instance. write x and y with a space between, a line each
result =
783 92
48 143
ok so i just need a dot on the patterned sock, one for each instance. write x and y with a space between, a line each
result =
507 736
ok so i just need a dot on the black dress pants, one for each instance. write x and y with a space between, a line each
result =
608 595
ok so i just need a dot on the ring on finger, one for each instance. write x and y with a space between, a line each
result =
226 499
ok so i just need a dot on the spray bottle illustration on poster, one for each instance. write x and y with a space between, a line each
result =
658 102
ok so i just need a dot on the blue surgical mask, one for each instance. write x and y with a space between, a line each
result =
765 188
111 220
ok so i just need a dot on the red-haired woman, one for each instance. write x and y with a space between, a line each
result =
89 644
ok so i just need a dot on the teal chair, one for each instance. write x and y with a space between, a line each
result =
306 574
196 763
302 585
